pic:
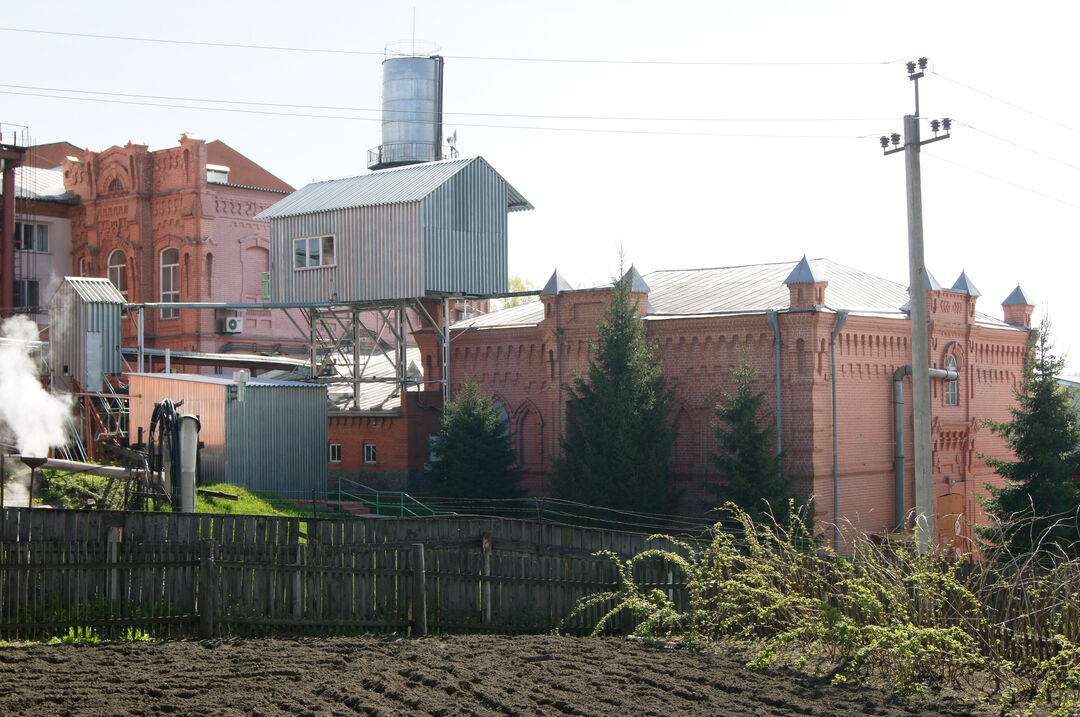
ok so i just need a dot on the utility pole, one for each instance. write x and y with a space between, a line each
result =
917 284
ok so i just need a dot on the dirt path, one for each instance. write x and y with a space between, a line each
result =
452 675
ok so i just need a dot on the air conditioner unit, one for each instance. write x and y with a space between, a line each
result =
232 325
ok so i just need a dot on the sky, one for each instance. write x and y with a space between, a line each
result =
686 134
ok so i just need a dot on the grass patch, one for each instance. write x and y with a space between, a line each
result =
249 503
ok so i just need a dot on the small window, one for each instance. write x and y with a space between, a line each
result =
116 186
82 266
170 282
27 292
312 252
31 237
369 453
118 271
335 453
952 386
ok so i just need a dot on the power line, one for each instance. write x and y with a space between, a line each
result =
591 130
1005 181
496 58
432 115
1020 146
1010 104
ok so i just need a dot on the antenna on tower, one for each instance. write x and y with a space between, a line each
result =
451 142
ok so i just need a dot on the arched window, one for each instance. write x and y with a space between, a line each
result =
209 274
952 386
116 186
118 271
82 266
170 282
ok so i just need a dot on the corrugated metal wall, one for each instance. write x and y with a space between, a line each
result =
72 320
378 255
203 399
276 439
465 233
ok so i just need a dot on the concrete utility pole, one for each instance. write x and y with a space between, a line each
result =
917 282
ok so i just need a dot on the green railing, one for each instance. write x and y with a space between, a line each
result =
381 502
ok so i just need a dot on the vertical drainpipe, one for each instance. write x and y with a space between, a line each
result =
841 319
774 322
899 510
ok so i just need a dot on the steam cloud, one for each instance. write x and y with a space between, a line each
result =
35 418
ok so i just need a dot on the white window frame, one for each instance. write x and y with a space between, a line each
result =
370 454
38 239
82 266
172 272
117 273
311 252
952 386
335 453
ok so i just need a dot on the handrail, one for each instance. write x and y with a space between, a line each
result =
385 502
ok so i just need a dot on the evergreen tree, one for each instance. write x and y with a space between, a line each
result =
473 455
1040 503
747 460
617 443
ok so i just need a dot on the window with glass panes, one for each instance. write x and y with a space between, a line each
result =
170 282
952 386
118 271
311 252
30 236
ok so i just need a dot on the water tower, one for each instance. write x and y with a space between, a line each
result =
412 106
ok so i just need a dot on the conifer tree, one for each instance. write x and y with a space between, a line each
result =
747 462
1040 503
616 448
473 455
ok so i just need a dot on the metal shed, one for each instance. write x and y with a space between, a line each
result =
84 333
267 436
423 230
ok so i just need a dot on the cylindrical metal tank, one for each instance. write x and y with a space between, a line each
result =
412 105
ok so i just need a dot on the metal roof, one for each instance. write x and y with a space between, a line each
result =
386 186
742 289
556 284
964 286
637 284
1017 298
222 380
95 289
803 273
37 183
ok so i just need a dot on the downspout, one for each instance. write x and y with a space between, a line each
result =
841 319
900 511
774 322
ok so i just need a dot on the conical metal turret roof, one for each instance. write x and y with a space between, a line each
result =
964 286
555 285
1017 297
804 273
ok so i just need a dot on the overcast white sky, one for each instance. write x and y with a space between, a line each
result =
764 159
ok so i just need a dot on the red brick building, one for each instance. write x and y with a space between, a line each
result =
178 225
705 321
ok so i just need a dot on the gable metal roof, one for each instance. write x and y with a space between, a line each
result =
743 289
95 289
385 186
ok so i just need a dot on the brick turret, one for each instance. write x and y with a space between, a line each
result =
806 286
1018 308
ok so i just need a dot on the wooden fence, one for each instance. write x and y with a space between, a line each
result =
174 574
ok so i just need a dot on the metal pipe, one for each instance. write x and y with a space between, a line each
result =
107 471
899 509
841 319
774 322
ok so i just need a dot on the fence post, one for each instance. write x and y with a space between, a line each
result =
115 536
419 592
207 589
298 582
485 581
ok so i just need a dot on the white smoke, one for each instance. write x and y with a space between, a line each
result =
35 418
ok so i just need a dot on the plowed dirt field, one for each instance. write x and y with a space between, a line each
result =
450 675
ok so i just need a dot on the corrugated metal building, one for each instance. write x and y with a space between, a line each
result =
84 338
410 232
274 439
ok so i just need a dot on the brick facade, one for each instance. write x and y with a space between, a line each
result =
137 204
529 366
